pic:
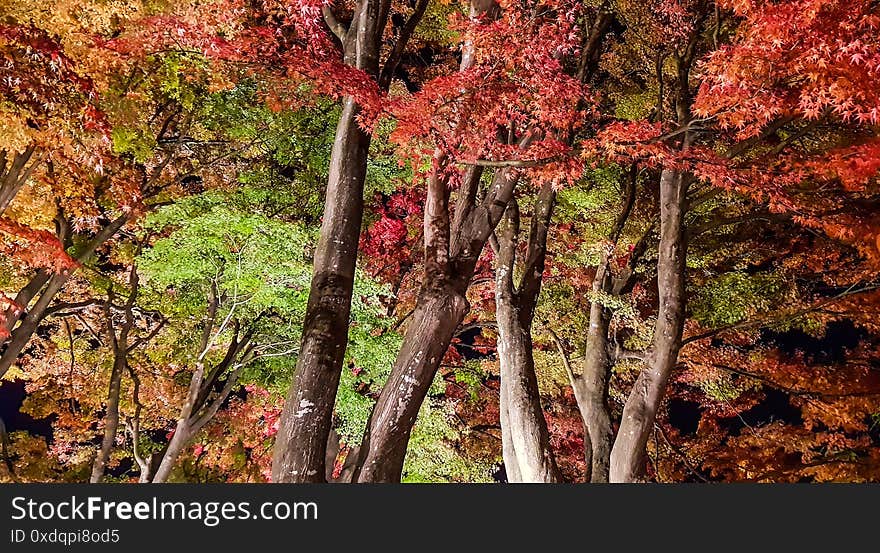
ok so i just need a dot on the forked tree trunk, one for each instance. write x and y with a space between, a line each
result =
525 439
524 434
440 310
640 410
307 417
452 249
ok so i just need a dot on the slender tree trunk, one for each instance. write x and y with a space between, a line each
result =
179 440
111 421
306 421
526 440
640 410
591 393
508 453
524 435
25 295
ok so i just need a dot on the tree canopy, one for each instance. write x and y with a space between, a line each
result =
440 241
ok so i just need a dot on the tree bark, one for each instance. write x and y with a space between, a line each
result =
640 410
195 413
591 394
449 268
111 421
428 336
306 420
524 435
14 175
120 363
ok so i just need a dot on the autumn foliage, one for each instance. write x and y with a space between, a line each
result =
163 168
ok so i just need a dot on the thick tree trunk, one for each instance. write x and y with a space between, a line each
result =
428 336
628 453
306 421
449 268
307 418
529 448
111 421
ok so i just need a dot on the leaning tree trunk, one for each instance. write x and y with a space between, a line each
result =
440 308
640 410
449 268
525 439
306 421
428 336
307 418
46 285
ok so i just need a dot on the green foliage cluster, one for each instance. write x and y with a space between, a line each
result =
432 455
732 297
261 268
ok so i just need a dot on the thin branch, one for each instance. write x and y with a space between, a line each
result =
406 32
680 454
575 379
784 317
336 27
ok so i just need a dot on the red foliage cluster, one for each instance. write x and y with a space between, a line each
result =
804 57
36 75
286 41
38 249
391 240
516 80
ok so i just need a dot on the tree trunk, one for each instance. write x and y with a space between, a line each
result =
591 395
524 435
427 338
640 410
111 421
14 175
306 421
527 428
449 268
179 440
307 418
